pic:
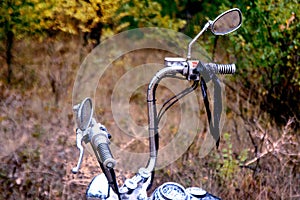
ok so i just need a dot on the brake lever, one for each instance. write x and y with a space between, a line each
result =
79 139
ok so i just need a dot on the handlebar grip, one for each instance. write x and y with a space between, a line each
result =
221 68
100 141
226 69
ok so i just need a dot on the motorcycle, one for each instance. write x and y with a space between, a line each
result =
89 131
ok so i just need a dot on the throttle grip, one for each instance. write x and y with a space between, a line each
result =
101 143
221 68
226 68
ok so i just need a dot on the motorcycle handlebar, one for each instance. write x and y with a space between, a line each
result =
100 142
182 63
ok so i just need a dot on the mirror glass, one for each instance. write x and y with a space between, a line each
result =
84 114
227 22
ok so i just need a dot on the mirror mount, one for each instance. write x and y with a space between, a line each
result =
206 26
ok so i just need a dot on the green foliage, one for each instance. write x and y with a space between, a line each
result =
146 13
20 17
37 16
228 164
266 47
78 15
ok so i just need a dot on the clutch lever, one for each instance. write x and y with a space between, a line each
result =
81 136
79 139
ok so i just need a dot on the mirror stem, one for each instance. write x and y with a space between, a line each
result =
207 25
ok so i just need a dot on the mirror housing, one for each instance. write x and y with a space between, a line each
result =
84 114
227 22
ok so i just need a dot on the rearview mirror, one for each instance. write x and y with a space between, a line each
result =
227 22
84 114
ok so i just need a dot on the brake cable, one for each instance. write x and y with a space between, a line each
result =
217 109
170 102
214 125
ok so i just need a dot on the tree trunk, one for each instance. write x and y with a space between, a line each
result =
9 45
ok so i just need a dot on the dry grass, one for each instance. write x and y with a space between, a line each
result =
37 146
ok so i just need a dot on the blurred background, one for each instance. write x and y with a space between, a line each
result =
43 43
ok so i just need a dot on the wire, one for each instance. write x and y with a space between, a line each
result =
175 76
170 102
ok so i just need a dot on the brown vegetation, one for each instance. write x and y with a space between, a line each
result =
256 159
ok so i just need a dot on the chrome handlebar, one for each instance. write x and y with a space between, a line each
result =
97 135
192 70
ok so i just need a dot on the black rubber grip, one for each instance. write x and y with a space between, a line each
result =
105 155
226 69
101 142
220 68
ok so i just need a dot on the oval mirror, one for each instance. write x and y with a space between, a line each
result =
84 114
227 22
